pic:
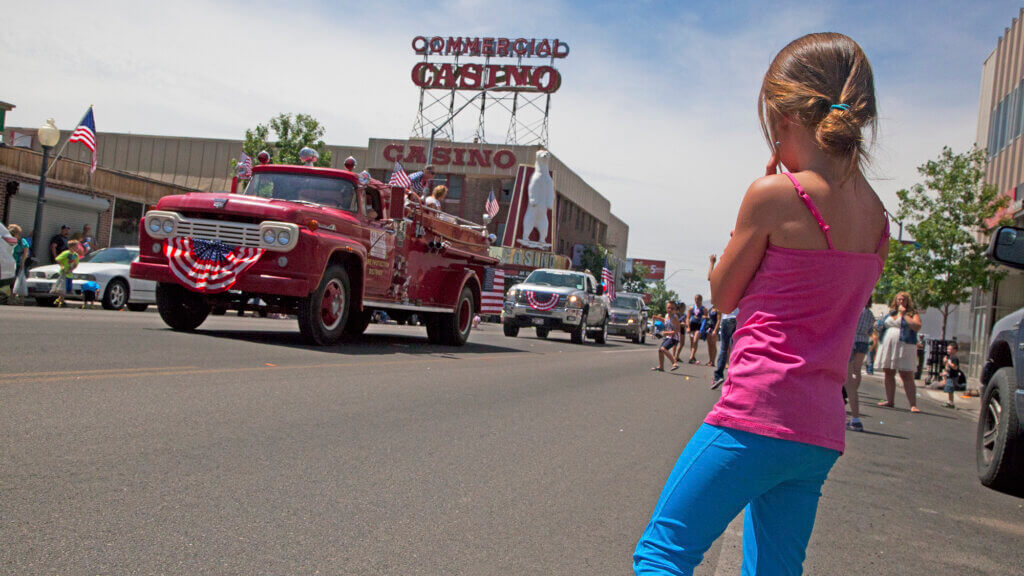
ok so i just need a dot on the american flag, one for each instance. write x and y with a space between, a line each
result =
491 207
608 279
246 161
86 134
493 291
399 179
208 266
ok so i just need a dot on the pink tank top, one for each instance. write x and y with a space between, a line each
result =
797 322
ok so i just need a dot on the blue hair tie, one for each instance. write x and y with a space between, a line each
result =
840 106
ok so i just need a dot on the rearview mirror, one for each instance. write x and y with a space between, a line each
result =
1007 246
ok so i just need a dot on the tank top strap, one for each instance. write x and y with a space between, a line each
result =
810 206
885 234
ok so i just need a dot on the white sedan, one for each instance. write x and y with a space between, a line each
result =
108 268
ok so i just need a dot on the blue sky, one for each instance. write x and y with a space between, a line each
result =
656 109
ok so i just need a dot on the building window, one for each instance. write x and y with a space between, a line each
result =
124 230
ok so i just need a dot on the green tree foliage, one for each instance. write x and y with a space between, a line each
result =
594 257
660 294
634 281
291 133
945 261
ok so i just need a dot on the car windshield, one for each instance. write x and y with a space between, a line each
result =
323 190
630 302
111 256
557 279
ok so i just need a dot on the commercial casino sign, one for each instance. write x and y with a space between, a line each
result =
476 76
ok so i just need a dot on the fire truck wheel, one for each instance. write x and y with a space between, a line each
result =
455 327
433 323
511 330
179 308
357 322
322 314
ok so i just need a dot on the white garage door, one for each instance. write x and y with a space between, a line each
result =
62 207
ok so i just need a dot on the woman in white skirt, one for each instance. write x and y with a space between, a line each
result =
897 351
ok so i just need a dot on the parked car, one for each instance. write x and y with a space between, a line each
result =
999 445
564 300
7 263
628 317
109 269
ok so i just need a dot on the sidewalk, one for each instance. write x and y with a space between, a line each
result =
930 400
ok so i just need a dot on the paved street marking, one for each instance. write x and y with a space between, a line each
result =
627 351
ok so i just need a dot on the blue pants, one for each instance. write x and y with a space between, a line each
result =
725 331
721 472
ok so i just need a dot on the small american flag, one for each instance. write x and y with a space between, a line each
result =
491 207
493 297
246 161
399 179
608 279
86 134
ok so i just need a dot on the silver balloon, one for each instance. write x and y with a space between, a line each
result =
308 156
364 178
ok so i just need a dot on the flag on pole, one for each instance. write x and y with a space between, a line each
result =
493 294
246 163
86 134
399 179
608 279
491 207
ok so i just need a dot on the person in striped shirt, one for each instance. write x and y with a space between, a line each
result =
860 349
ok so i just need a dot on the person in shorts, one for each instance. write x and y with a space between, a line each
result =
668 345
861 342
951 368
694 318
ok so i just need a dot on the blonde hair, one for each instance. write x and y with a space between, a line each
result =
911 309
73 243
439 190
824 83
14 229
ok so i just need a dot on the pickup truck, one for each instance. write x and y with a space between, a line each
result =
326 245
551 299
628 317
1000 437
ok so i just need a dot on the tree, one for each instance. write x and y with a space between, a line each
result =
634 281
594 258
944 262
292 133
660 294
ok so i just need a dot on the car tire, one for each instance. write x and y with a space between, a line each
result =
456 326
179 308
322 314
543 331
138 307
635 338
601 336
643 337
218 310
998 447
577 333
116 295
510 330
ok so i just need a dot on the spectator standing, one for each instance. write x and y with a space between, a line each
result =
807 251
87 243
861 342
694 317
681 336
709 332
59 242
20 253
898 350
951 368
726 327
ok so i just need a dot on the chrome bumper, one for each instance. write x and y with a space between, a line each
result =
524 315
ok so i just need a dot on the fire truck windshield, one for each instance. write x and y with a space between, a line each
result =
325 191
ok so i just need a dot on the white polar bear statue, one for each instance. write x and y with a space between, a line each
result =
541 193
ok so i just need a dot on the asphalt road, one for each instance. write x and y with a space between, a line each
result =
126 448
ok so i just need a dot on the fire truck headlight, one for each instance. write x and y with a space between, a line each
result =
269 236
284 237
168 226
154 225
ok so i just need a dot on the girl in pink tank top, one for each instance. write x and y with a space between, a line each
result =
806 253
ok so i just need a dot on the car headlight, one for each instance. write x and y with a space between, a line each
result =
284 237
574 301
512 293
630 321
36 274
269 236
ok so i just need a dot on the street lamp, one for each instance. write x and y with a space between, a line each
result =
49 135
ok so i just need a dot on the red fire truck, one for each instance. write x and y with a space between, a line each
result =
327 245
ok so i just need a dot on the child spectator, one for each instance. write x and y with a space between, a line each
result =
68 261
951 368
89 290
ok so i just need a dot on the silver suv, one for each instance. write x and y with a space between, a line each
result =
628 317
558 300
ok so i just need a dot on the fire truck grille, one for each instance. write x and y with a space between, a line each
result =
231 233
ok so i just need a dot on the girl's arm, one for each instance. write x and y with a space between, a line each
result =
743 254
